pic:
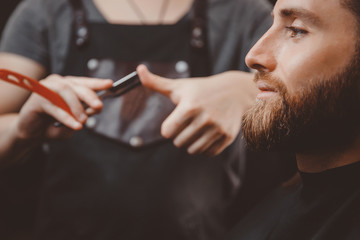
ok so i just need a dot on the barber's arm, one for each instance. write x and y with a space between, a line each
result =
208 114
27 120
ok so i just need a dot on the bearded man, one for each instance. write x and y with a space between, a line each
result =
309 80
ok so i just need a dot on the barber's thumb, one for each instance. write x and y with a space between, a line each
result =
162 85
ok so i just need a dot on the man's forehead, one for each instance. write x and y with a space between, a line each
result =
301 13
313 11
307 4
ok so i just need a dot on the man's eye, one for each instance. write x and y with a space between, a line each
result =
295 32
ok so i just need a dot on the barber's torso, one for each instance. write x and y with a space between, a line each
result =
118 178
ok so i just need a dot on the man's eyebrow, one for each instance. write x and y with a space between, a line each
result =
303 14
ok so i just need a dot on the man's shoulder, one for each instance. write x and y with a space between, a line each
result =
285 212
262 219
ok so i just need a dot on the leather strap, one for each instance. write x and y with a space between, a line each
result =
34 86
200 58
81 29
199 25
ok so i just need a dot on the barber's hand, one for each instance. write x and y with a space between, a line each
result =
208 114
36 117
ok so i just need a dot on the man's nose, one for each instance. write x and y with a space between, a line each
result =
261 56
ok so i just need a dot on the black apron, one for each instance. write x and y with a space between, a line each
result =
134 184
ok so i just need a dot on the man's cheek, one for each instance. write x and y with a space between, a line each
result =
295 69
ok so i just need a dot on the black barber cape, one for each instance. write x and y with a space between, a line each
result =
325 205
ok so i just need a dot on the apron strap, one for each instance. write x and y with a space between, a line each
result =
199 28
81 28
200 59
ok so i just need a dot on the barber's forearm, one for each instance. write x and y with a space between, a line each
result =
12 147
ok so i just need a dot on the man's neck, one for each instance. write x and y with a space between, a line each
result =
313 163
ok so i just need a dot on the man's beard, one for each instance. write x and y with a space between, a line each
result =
323 117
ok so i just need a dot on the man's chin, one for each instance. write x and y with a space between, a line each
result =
261 128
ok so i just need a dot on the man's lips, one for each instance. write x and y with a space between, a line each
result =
265 90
